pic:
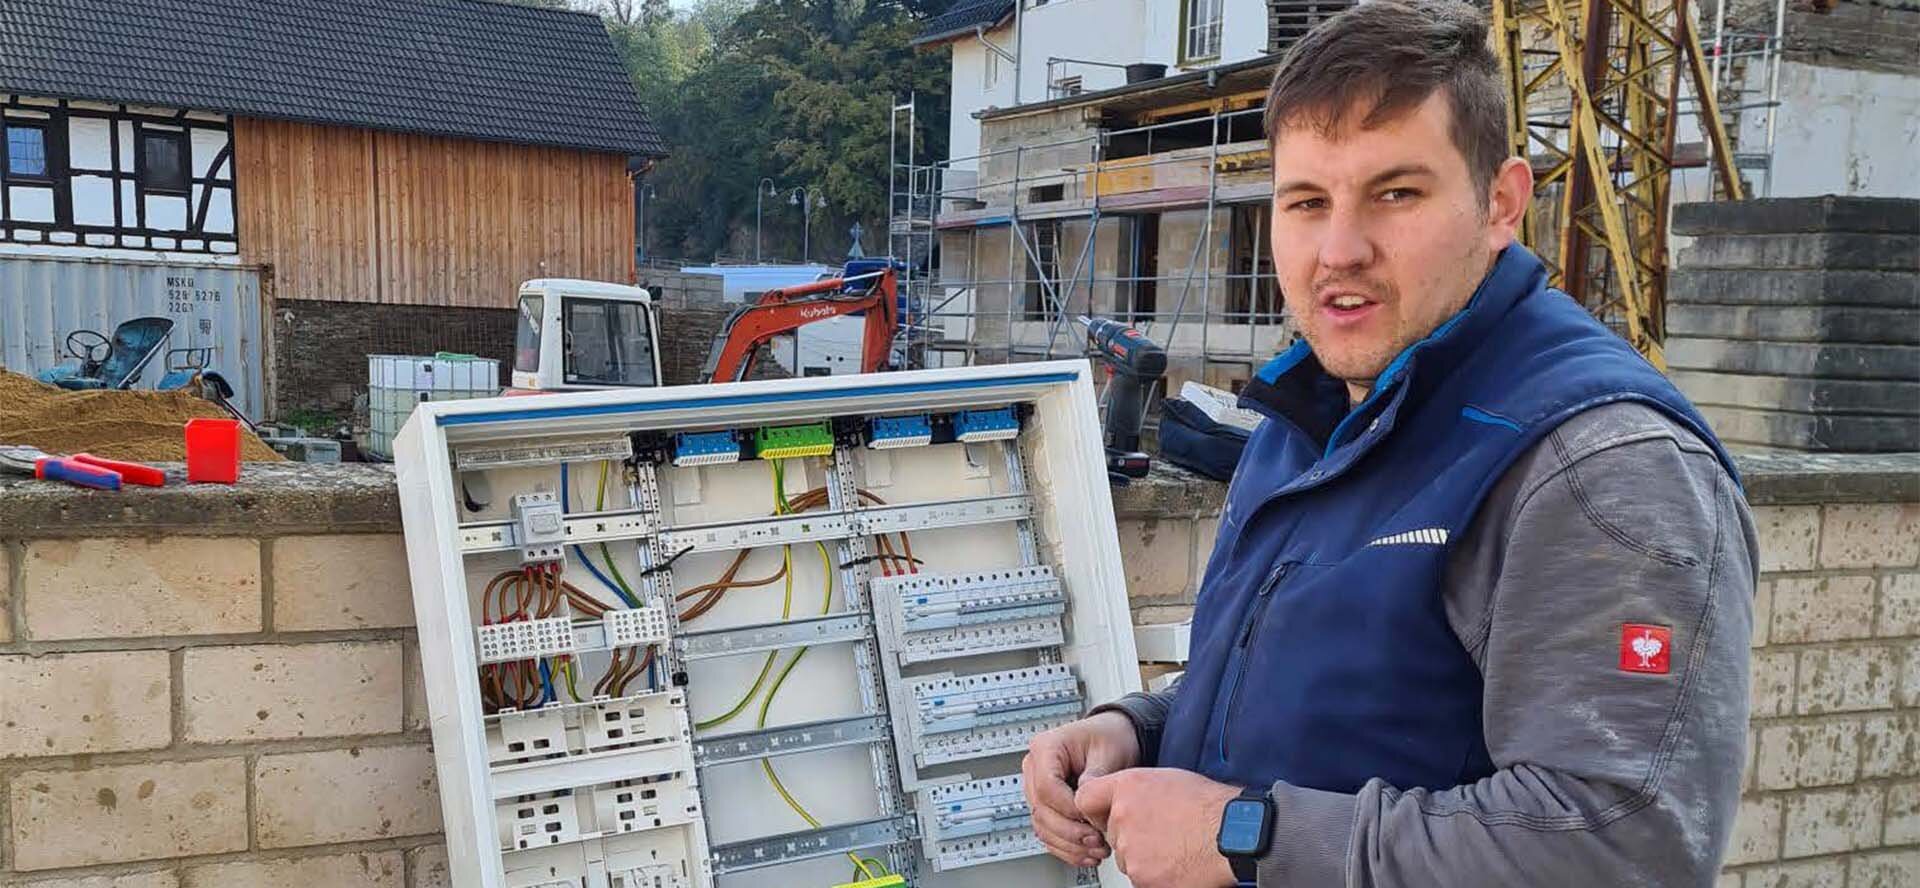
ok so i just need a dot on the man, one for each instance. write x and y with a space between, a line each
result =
1479 608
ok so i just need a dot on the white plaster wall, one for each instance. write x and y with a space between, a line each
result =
1116 31
1095 30
1243 30
1842 131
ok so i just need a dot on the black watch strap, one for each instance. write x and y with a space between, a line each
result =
1246 870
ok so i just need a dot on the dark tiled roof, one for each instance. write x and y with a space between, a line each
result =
468 68
962 18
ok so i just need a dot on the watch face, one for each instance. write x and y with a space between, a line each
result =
1242 826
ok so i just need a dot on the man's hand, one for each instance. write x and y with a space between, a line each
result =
1163 824
1067 756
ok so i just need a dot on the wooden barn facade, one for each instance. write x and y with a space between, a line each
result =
388 172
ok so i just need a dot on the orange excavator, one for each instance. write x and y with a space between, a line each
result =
578 335
869 288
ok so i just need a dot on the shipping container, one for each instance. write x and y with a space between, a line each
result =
215 307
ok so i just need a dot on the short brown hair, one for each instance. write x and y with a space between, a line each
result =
1393 54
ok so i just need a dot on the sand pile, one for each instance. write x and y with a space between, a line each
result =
131 425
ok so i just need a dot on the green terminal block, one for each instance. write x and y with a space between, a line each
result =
782 442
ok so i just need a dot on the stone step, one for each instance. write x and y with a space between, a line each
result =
1799 395
1900 363
1887 215
1801 431
1850 324
1749 286
1884 252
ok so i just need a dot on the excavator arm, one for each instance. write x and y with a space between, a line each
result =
790 308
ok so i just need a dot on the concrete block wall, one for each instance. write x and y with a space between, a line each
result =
1795 323
201 689
209 687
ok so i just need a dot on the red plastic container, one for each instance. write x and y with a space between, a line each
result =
213 451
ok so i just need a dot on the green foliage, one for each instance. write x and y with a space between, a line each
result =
798 91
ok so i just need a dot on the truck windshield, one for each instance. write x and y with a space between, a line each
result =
608 342
526 339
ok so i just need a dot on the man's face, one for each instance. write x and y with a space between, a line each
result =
1379 235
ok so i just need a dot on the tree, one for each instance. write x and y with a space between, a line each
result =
796 90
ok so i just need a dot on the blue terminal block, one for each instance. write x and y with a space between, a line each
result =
892 432
974 426
705 448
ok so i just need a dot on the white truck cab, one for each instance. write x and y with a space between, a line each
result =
575 334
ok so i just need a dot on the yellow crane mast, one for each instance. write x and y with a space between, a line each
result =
1596 105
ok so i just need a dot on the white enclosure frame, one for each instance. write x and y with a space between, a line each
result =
1068 486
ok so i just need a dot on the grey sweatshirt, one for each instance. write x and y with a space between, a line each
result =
1606 776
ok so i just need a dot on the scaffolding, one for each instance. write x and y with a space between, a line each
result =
1046 209
1598 119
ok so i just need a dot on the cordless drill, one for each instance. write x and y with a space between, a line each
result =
1134 364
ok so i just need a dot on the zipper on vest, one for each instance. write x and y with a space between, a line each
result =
1240 645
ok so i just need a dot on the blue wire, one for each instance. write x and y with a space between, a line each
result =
546 683
566 494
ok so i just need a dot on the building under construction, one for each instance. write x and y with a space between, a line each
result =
1149 200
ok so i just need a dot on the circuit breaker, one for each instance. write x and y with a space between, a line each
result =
783 633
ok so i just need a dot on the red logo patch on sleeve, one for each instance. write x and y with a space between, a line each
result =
1645 648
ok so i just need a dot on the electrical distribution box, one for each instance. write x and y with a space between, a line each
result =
792 633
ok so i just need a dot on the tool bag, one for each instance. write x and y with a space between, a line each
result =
1192 440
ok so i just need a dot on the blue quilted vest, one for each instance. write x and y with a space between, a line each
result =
1321 651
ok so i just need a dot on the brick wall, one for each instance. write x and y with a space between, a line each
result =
206 687
320 349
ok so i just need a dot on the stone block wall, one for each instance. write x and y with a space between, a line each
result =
209 687
1794 324
213 689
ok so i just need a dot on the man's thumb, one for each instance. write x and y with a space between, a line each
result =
1094 798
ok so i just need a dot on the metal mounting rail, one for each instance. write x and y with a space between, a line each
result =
753 533
818 526
581 527
790 739
950 513
831 629
809 844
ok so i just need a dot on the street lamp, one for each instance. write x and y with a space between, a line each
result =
759 192
807 199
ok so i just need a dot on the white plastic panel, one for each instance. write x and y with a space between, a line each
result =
974 822
874 687
937 617
960 717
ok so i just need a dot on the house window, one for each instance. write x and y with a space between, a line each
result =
163 161
27 152
1200 30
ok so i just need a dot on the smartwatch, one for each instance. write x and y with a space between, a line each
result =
1246 827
